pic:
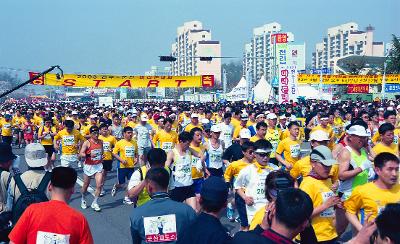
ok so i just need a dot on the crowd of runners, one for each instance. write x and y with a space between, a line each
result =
343 155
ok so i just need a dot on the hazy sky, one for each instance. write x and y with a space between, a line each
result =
127 36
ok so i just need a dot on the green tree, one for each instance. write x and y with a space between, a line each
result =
393 61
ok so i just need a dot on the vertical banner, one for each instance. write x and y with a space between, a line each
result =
283 76
293 88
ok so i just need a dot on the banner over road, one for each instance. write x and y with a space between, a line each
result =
115 81
348 79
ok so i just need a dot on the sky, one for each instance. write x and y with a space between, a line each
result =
127 36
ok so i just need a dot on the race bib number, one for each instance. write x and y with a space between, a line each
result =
396 139
330 212
106 146
48 136
68 140
160 228
95 154
274 145
51 238
167 146
7 126
130 152
260 188
295 150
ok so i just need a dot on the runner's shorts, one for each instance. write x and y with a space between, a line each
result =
68 160
197 184
107 165
180 194
49 149
241 208
91 170
216 172
123 174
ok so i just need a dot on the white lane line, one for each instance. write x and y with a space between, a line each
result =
80 182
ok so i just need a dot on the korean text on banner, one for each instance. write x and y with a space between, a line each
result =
293 88
114 81
348 79
392 88
363 88
283 76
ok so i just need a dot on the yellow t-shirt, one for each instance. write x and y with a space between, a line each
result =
235 122
255 138
232 171
165 140
273 136
303 168
257 219
319 191
290 150
69 141
131 124
6 128
285 134
371 198
127 150
108 144
37 120
190 126
380 148
195 173
18 121
47 140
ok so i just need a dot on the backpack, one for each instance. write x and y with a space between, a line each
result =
29 196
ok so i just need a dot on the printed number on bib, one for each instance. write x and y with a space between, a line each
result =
330 212
51 238
295 150
130 152
68 140
167 146
106 146
96 154
160 228
396 140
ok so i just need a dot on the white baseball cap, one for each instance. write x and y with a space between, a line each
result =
144 117
319 135
357 130
35 155
74 112
245 133
272 116
215 128
194 115
205 121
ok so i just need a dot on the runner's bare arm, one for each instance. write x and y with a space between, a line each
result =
82 151
170 158
353 219
136 190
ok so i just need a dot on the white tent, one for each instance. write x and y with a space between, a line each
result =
310 92
239 92
262 91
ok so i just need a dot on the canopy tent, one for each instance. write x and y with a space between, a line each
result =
239 92
309 92
262 91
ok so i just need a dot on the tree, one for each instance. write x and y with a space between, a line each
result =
234 72
393 61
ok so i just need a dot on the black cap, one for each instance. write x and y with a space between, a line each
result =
214 189
6 153
69 124
94 128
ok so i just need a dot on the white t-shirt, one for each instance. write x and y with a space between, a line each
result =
226 134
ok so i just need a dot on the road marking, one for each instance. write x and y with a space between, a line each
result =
90 189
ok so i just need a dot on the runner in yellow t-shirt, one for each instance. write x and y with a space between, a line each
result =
70 140
6 129
386 144
289 147
126 152
46 134
199 169
373 196
109 142
166 139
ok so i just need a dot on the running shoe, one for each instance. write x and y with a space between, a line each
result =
95 207
102 193
127 201
79 164
83 204
114 190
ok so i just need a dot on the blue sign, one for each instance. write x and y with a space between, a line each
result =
392 88
325 71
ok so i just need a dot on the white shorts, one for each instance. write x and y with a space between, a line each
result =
68 160
91 170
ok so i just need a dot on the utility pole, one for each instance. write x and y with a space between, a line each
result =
224 82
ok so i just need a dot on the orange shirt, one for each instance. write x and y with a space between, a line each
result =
52 219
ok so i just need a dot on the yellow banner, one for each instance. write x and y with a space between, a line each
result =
347 79
114 81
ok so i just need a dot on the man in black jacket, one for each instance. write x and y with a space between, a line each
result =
207 228
284 219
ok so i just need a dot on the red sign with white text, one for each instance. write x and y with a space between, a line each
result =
363 88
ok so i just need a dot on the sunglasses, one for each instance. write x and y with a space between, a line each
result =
263 155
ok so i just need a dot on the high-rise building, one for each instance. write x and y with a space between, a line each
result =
345 40
192 42
259 56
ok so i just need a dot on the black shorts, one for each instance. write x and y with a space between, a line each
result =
49 149
241 208
216 172
180 194
107 165
7 139
124 174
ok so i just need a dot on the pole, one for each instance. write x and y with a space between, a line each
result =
320 84
383 81
30 80
224 82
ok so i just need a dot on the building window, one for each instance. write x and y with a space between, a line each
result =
204 36
195 25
